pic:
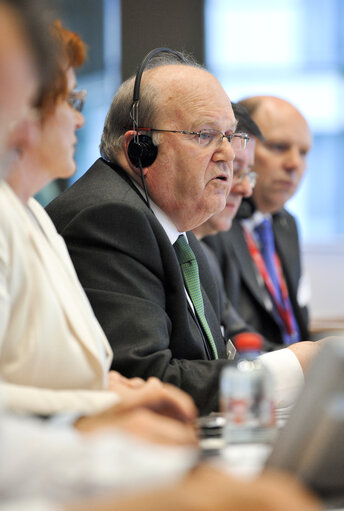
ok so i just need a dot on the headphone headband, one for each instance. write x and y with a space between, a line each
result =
143 65
134 111
142 152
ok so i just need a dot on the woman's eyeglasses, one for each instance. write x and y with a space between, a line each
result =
76 99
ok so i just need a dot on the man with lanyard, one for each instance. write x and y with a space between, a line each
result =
260 256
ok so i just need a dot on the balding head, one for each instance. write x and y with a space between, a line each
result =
119 120
190 178
261 106
179 89
280 160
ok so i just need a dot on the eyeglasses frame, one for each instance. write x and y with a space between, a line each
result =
242 136
76 99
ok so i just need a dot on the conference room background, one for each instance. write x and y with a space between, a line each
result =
289 48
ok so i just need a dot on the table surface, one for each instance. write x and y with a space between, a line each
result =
240 460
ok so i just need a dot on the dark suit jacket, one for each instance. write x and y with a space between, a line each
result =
240 277
231 321
133 280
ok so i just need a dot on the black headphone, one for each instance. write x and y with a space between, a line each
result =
141 150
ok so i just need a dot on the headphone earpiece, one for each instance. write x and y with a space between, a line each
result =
143 151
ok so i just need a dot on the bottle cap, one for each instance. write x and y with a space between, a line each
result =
248 341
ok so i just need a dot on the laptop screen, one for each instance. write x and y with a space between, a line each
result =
311 443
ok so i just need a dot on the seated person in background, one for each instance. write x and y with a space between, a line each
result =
244 179
54 356
260 255
131 252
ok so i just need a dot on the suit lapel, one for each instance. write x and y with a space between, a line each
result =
247 267
209 294
288 254
59 270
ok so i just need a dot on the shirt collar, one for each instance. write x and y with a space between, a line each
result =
256 219
166 223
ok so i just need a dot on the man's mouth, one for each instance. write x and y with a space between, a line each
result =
222 177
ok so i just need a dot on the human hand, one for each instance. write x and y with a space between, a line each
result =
116 379
159 397
152 410
207 489
211 489
142 423
307 350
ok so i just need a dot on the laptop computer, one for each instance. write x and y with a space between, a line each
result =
311 443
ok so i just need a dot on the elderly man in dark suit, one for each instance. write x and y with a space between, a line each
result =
166 167
123 250
260 255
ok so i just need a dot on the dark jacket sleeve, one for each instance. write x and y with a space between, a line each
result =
231 320
242 286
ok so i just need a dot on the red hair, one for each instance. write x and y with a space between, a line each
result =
72 53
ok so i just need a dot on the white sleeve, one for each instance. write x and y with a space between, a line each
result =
29 504
41 401
38 460
288 379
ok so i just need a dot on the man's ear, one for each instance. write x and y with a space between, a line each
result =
142 151
129 148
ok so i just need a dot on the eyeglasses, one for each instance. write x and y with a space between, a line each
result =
209 137
76 99
240 174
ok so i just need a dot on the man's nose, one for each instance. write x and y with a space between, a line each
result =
242 187
292 159
225 149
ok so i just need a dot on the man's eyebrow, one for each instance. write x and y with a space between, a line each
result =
233 129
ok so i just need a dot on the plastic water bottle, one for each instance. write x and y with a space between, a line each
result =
246 394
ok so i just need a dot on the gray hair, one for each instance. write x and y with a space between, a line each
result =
118 120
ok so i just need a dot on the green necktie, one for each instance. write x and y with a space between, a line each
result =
189 266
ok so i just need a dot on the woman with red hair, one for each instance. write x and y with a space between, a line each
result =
53 354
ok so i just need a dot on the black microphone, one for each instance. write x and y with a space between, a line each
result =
246 209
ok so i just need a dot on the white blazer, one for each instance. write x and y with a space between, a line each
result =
54 356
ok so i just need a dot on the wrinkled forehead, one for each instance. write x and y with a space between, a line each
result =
281 119
193 95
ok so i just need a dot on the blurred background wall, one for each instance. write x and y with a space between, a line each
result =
290 48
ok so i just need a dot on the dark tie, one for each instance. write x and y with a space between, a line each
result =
189 266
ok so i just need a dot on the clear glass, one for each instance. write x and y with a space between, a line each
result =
246 401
